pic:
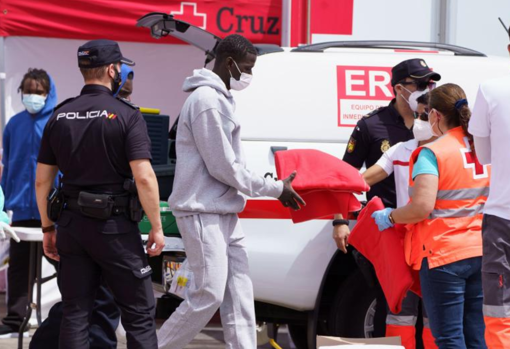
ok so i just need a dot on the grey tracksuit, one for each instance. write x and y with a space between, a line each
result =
209 184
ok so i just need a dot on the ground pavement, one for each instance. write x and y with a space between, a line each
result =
210 338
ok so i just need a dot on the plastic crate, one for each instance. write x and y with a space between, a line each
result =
157 128
165 177
167 220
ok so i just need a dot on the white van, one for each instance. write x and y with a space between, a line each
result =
311 97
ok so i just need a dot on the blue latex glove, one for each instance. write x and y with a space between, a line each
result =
382 218
3 216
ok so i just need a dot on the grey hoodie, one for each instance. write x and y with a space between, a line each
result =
211 169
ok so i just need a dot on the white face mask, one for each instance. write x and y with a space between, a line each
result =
422 130
413 98
243 82
34 103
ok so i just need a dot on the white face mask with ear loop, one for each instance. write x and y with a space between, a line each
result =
243 82
422 130
413 98
33 103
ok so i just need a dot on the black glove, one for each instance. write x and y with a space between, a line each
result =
289 197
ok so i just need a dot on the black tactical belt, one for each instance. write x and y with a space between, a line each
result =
121 205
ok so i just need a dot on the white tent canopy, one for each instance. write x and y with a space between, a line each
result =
159 72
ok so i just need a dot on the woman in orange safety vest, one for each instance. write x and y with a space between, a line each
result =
448 189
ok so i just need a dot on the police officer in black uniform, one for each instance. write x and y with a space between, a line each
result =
99 143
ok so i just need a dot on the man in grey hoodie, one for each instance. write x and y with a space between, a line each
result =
210 180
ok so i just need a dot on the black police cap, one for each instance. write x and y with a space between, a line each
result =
412 68
97 53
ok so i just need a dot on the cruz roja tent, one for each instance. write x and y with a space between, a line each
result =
46 34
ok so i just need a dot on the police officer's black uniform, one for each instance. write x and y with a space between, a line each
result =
374 134
92 138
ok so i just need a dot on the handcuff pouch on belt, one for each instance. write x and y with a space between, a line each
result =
55 203
99 206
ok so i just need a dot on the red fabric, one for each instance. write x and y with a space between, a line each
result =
407 335
331 17
385 250
259 21
298 23
325 182
428 339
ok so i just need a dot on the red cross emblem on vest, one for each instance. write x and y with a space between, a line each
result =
471 161
188 13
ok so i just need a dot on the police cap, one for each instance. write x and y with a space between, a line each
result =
412 68
97 53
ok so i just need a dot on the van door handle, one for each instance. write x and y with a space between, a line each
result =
274 149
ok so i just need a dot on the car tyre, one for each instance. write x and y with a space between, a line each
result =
355 313
298 334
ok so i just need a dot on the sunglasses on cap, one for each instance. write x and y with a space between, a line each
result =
421 85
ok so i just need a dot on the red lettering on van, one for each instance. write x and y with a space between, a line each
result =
361 88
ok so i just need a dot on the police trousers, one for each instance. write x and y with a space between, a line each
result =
496 281
216 253
90 249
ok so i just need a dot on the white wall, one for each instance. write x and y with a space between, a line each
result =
388 20
159 72
477 26
471 23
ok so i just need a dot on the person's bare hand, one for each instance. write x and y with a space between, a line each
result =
289 198
50 245
341 234
155 243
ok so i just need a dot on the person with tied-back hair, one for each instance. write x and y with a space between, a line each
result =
448 189
490 126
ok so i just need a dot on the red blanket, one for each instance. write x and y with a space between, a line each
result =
385 250
325 182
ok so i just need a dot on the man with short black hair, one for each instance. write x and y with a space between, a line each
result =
99 143
210 180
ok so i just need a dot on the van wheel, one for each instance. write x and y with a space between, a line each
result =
355 312
298 334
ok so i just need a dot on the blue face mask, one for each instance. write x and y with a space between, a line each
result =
34 103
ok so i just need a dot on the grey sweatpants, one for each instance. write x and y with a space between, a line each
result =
217 257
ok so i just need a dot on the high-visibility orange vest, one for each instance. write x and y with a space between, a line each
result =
452 232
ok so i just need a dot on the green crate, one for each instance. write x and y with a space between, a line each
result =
167 220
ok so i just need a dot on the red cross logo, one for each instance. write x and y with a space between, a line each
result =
188 13
470 161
